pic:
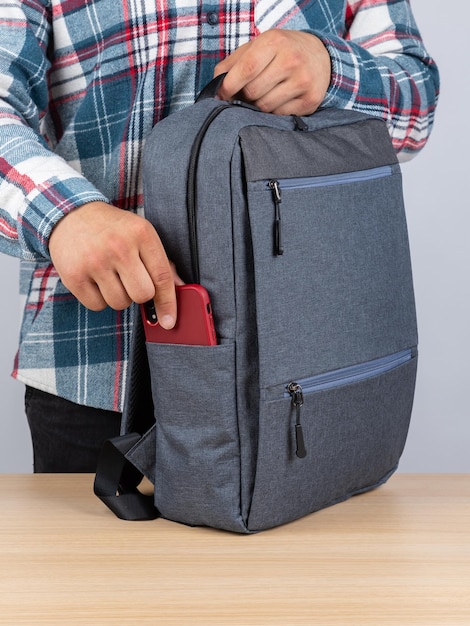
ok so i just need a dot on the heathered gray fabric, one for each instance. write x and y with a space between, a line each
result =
271 153
341 294
354 436
338 294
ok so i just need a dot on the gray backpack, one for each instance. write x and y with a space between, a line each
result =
296 227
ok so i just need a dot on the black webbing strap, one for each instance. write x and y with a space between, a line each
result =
212 87
138 410
116 481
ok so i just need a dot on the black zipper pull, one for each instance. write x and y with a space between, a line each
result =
276 191
299 123
297 395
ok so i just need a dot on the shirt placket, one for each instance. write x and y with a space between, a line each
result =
223 27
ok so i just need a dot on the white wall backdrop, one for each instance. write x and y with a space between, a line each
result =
15 446
438 202
438 208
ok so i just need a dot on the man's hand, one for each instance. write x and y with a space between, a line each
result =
107 256
281 71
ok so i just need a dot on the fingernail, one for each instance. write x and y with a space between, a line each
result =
167 321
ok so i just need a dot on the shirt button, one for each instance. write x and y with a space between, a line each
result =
212 18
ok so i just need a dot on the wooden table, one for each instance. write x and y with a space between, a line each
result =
399 555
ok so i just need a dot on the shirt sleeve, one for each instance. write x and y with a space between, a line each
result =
382 68
37 187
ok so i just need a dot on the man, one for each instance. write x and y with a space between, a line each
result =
81 85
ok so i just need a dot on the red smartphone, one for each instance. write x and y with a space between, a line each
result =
194 323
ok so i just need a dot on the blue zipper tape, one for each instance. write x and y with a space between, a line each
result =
335 179
353 373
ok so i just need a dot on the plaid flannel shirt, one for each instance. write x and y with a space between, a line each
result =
82 84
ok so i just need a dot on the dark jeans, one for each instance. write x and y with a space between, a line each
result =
67 437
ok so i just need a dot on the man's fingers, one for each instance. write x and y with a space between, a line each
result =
162 274
243 67
106 256
255 68
165 297
281 71
114 291
89 294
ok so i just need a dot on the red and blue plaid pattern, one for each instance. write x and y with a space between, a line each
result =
82 84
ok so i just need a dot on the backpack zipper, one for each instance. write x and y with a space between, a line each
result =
343 376
277 198
191 189
309 182
297 394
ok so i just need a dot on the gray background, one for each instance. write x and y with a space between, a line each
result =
437 198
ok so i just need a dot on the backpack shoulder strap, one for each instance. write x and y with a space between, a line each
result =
126 459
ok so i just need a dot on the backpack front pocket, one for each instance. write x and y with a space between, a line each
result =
345 429
277 186
341 291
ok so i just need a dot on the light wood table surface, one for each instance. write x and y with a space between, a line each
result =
399 555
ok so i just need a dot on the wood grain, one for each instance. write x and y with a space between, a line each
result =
399 555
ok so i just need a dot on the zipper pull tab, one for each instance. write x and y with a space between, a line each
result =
299 123
297 395
276 191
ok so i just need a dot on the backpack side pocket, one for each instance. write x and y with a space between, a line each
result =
197 477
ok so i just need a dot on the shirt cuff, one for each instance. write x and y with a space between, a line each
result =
45 206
